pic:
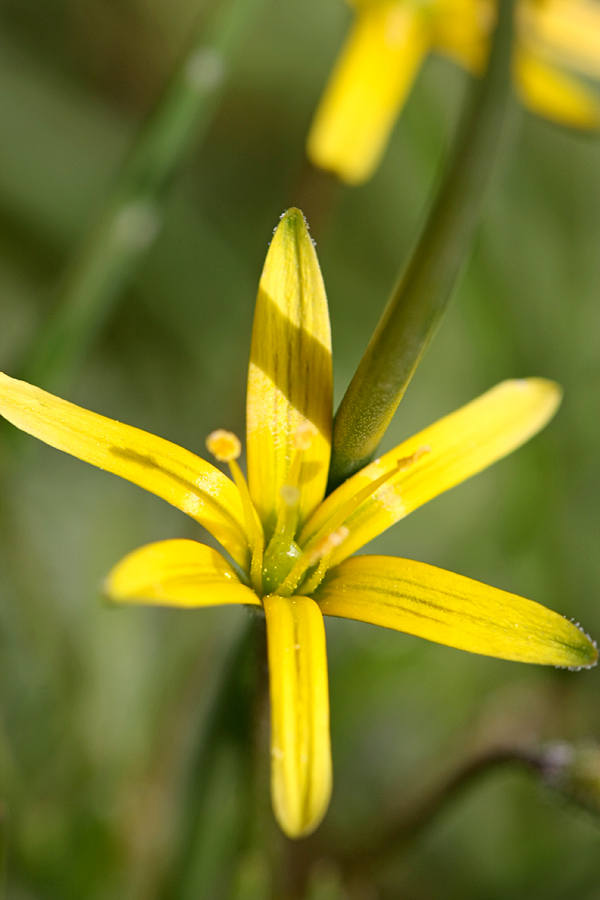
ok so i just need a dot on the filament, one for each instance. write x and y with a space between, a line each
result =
226 447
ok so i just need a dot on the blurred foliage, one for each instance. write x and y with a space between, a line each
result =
98 707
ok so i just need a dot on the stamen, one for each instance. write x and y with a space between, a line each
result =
254 527
290 494
305 432
314 580
320 553
303 438
327 545
347 508
226 447
287 518
320 548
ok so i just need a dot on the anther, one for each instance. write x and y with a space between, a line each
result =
305 433
224 445
344 512
407 461
290 495
327 544
287 519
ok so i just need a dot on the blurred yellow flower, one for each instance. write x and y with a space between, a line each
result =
291 545
389 40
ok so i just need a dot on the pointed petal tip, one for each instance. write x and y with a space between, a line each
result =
290 379
586 652
294 220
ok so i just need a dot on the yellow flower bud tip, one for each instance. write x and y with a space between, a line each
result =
290 495
224 445
328 544
305 433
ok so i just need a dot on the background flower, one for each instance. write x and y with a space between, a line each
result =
389 40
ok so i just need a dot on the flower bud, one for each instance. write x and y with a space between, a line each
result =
574 771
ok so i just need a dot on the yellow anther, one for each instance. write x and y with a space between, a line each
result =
344 512
290 495
224 445
328 544
304 436
407 461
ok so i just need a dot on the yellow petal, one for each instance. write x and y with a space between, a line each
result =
461 31
176 573
290 376
300 742
446 453
178 476
368 87
450 609
566 32
556 96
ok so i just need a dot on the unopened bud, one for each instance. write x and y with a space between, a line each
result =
574 771
224 445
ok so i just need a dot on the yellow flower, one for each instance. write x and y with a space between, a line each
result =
390 39
289 544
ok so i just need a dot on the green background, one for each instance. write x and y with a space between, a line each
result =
97 704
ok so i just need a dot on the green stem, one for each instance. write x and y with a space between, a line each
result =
3 848
229 730
425 287
131 217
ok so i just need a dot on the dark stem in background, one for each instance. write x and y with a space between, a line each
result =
395 835
426 285
358 861
231 727
131 218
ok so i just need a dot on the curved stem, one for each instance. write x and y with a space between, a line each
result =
425 288
131 218
398 832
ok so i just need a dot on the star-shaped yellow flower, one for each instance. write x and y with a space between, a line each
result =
289 544
389 40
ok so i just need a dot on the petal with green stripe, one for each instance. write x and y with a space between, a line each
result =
450 609
300 742
434 460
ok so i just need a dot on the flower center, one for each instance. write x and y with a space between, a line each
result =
284 567
280 558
